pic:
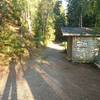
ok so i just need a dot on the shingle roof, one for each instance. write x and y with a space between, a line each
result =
70 31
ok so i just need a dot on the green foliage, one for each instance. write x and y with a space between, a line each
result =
85 12
59 19
26 24
10 44
98 16
43 22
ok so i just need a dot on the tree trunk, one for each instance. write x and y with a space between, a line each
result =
81 20
29 25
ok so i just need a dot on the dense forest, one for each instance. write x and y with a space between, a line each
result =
84 13
29 24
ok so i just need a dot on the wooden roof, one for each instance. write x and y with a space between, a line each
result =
75 31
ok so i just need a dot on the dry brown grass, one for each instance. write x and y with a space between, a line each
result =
4 62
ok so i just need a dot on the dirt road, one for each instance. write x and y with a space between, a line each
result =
49 76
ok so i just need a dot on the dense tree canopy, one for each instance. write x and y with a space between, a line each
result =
84 13
25 24
59 18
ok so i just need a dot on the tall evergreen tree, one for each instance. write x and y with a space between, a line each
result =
59 18
82 13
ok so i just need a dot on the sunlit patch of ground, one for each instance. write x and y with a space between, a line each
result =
55 46
3 73
23 90
6 81
4 62
2 84
48 76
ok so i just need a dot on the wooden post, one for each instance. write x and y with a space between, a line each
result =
69 49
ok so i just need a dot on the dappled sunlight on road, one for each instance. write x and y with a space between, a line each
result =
55 46
14 88
2 84
48 76
10 89
53 83
24 91
42 61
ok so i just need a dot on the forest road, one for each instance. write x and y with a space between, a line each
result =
49 76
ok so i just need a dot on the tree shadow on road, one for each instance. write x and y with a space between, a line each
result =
10 91
38 86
